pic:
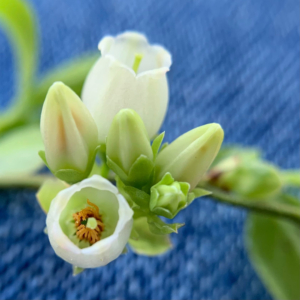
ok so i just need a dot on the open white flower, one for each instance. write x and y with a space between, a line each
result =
89 223
130 73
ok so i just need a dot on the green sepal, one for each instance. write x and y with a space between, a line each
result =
156 144
157 226
77 270
196 193
48 192
139 172
42 155
72 176
167 197
139 197
148 243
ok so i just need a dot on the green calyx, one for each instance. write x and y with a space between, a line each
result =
139 173
168 197
69 174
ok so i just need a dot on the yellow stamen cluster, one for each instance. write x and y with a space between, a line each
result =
83 232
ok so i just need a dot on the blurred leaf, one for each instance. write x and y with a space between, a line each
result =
242 153
291 178
71 73
19 151
254 179
18 20
48 192
148 243
274 250
77 270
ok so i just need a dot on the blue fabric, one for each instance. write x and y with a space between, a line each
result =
234 62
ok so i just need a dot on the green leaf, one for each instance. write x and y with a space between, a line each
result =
19 151
196 193
148 243
156 144
139 197
274 250
48 192
157 226
71 73
18 20
291 178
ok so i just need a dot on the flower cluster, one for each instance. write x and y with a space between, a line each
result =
124 102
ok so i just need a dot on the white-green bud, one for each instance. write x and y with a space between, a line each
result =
190 155
69 133
128 149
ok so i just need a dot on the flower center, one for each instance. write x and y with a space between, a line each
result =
88 222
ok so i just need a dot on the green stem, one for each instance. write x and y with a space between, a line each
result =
25 181
266 207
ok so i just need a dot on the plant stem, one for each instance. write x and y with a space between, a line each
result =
25 181
266 207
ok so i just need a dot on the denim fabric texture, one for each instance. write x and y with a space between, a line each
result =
235 63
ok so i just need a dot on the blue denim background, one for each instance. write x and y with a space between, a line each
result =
234 62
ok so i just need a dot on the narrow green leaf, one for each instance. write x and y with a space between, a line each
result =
156 144
19 151
274 250
48 192
18 20
157 226
148 243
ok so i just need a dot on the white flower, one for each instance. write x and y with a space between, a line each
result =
129 74
115 215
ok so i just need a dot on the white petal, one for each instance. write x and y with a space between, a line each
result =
111 86
102 252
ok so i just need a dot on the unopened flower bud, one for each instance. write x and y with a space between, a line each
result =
168 197
69 133
189 156
128 149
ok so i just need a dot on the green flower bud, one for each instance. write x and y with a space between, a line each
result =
69 133
128 149
190 155
253 179
168 197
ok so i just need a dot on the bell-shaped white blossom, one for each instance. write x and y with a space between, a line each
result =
115 213
130 73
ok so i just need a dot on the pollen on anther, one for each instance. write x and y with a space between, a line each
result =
82 231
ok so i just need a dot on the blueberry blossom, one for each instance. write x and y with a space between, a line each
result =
130 73
89 223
